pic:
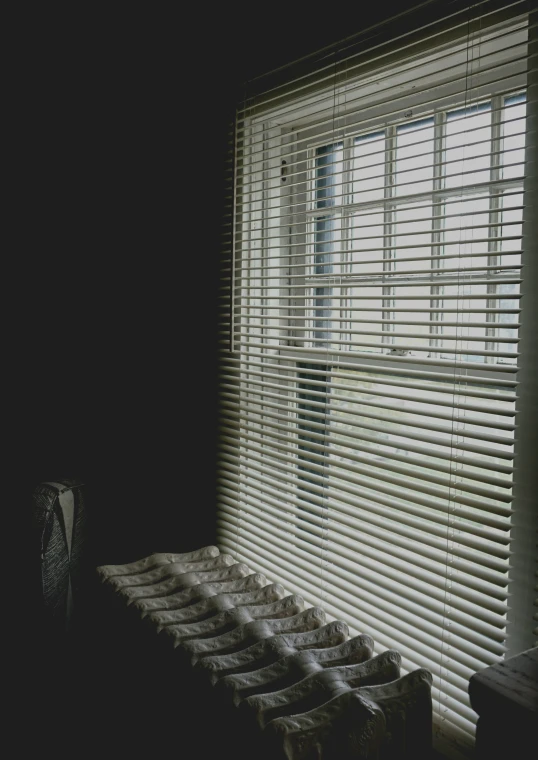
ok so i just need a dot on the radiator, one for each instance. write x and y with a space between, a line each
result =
299 686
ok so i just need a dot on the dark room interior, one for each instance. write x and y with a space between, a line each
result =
128 117
116 384
130 154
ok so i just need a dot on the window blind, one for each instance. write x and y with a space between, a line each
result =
380 243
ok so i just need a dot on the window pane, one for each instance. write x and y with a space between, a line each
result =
466 230
510 247
468 146
307 475
368 167
414 157
366 242
505 331
364 310
328 168
326 242
390 435
413 228
411 297
513 118
322 314
465 328
512 227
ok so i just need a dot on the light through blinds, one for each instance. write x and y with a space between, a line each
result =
371 330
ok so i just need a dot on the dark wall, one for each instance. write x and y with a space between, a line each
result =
117 289
117 353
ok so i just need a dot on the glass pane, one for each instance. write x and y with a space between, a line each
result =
466 231
512 227
367 243
413 228
388 433
412 297
468 146
328 176
368 167
414 157
308 393
513 124
507 332
322 310
369 307
326 243
466 321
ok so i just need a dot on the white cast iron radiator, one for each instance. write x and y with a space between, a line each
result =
302 688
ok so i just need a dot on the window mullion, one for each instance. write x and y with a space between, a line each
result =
389 220
265 286
346 255
438 210
299 244
264 230
495 213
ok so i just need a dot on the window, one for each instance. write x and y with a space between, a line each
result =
435 222
369 389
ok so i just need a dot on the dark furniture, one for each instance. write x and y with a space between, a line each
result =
505 696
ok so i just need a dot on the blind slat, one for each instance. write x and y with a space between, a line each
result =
373 510
320 451
349 530
317 442
424 639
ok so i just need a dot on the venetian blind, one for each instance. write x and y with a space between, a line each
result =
372 306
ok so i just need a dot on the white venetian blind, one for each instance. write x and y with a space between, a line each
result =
371 300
